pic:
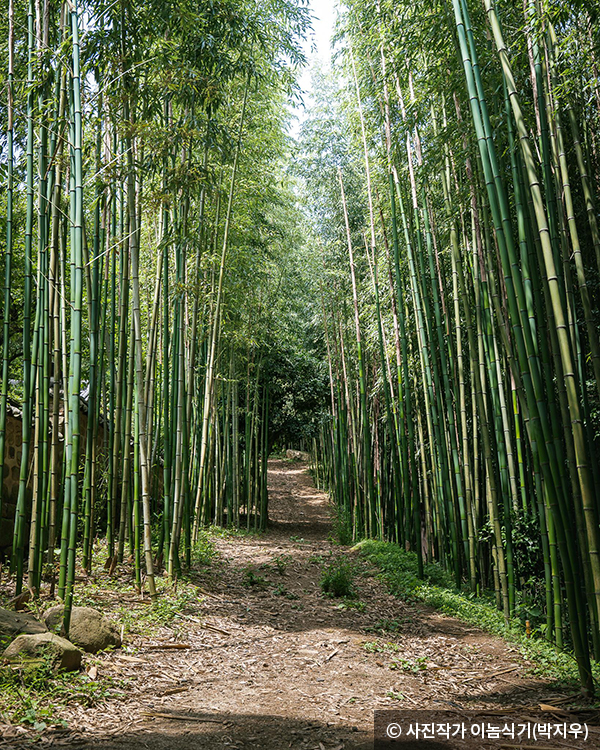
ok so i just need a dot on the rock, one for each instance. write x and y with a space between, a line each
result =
89 629
64 653
297 455
15 623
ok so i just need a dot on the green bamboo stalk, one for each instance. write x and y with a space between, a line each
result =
76 312
19 528
209 382
9 231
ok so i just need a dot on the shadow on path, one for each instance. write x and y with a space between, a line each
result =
267 662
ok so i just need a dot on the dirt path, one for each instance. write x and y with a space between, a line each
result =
272 664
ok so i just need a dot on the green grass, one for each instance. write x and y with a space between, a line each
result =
342 526
281 590
351 603
31 695
380 647
253 580
281 563
414 666
394 695
137 617
398 569
204 552
337 579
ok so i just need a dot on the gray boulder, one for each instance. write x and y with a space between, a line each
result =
27 647
297 455
89 629
15 623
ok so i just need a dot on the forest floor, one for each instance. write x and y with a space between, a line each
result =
263 660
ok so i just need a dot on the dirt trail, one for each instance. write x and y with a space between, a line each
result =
276 665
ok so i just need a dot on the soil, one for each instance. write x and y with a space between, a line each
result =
267 662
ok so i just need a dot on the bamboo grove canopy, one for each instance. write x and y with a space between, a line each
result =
411 288
147 221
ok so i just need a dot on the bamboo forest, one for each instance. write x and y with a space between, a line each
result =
315 337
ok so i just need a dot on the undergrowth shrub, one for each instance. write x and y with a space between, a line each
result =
204 551
400 568
342 526
337 579
399 572
32 692
252 579
169 607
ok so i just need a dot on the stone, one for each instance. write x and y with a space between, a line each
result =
297 455
63 653
15 623
89 629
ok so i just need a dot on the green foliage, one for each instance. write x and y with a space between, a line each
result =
172 603
253 580
394 695
337 579
527 547
546 660
281 590
400 568
414 666
231 532
298 385
204 552
531 603
281 563
167 608
352 603
32 694
380 647
342 526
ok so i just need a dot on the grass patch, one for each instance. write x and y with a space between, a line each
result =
342 526
355 604
337 580
414 666
400 568
394 695
281 563
204 552
380 647
253 580
281 590
173 601
170 606
32 694
399 572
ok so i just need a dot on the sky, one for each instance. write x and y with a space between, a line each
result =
316 48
